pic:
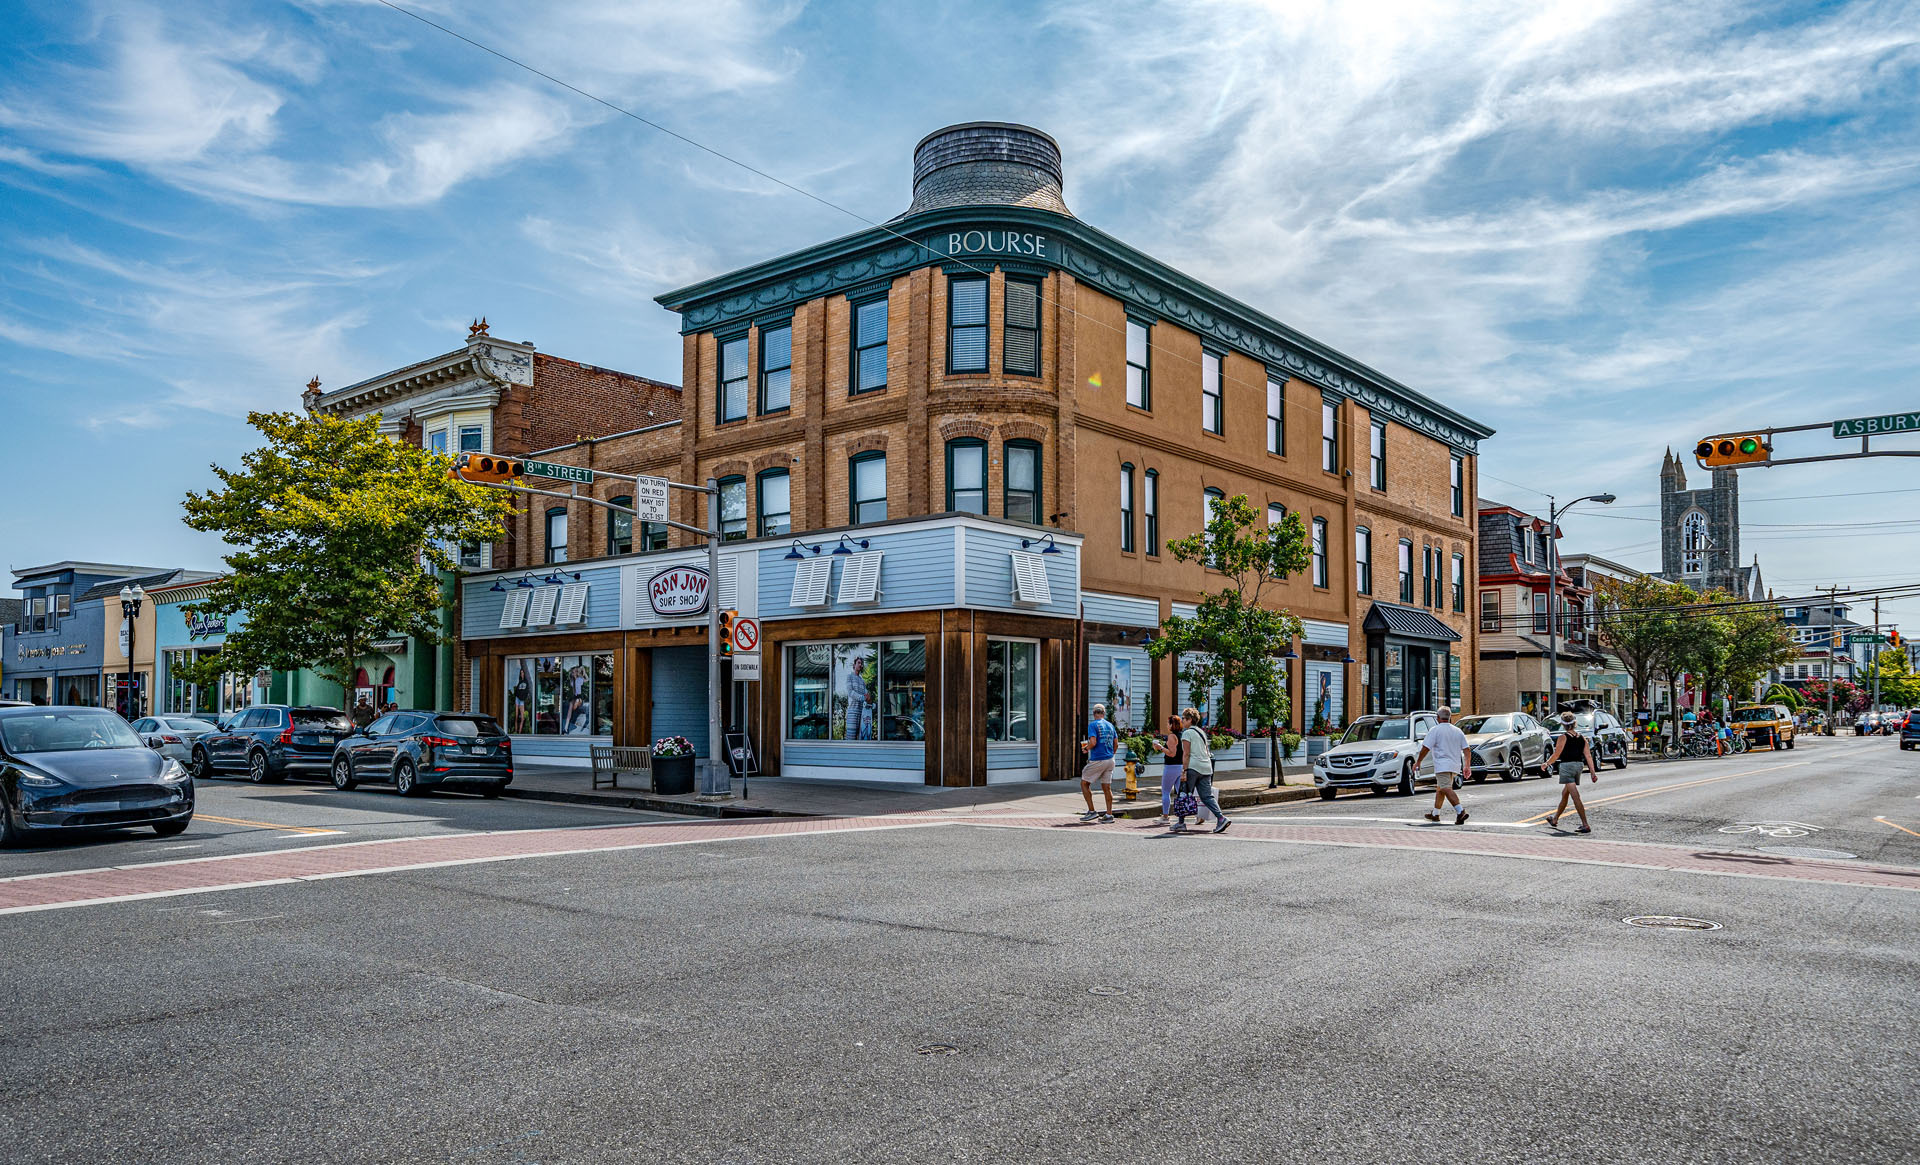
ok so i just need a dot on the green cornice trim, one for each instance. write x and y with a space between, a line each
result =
1142 283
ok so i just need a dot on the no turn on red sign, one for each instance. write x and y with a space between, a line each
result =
746 635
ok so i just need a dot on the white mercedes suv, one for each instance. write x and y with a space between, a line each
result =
1376 753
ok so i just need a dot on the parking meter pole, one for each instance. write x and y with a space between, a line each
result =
715 782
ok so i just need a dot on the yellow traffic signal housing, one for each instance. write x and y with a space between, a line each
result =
486 468
726 631
1746 449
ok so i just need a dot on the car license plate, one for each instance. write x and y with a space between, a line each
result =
326 738
477 749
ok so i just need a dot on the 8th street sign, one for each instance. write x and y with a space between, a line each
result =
1877 426
557 472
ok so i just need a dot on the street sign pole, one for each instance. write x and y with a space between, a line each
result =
717 781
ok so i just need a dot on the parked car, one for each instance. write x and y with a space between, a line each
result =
1910 731
1508 745
64 768
1376 753
268 741
11 703
413 750
1768 724
172 735
1867 725
1608 735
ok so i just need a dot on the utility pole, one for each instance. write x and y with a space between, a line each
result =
1876 655
1831 592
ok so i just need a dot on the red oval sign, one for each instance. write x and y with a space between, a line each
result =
678 591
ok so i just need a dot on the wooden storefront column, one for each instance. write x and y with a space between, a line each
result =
961 693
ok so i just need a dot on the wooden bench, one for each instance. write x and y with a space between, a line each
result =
610 760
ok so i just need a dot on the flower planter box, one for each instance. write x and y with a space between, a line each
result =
1315 745
1231 759
673 775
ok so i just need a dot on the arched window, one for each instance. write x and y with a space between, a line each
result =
733 508
967 476
1693 543
775 489
557 534
1020 495
1126 507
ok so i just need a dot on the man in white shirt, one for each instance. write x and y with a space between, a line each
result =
1448 746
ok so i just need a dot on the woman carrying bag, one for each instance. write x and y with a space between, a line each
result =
1199 765
1170 772
1573 754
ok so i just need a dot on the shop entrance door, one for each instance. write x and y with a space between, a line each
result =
1419 678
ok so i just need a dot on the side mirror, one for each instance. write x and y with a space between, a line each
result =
153 744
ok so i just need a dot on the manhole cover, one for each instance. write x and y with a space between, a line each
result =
1805 851
1103 989
1669 922
937 1050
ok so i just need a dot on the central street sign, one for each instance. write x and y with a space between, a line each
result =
650 499
1877 426
557 472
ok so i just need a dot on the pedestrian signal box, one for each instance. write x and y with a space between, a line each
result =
1717 452
726 631
486 468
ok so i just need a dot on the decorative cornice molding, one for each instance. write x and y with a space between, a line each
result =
1143 284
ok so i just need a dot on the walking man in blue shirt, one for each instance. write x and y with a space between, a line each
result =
1099 746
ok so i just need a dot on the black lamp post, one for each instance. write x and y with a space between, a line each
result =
130 599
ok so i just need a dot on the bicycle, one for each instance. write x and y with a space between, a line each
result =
1766 829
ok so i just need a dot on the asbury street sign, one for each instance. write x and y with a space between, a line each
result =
1877 426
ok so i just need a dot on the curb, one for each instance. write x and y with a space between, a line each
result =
650 803
1236 800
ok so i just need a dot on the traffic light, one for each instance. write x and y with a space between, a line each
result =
1893 637
726 631
1717 452
486 468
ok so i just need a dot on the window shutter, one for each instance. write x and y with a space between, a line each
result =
573 604
514 611
810 579
860 578
541 612
1030 583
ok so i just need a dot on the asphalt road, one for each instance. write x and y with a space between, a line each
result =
235 817
987 994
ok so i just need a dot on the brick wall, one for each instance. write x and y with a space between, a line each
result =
571 401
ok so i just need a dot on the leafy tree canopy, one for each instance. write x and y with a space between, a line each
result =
337 532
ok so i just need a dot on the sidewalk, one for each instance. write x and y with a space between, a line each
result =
786 797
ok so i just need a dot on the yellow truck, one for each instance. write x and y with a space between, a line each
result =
1764 724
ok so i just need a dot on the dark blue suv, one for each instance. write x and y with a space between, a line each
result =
1910 734
417 749
269 741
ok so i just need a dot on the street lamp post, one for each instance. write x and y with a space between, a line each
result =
131 597
1553 593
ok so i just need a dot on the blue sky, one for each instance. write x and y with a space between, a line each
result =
1603 228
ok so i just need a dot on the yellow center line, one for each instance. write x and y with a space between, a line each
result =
1539 817
1901 828
261 824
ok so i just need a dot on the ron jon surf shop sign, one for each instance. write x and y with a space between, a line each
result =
678 591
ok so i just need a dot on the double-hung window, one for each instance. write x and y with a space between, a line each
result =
867 488
776 369
1489 610
967 476
1540 622
437 442
1276 415
653 536
1320 552
733 380
870 346
1276 514
1020 490
620 527
1212 397
1426 576
1139 379
1150 507
1363 560
775 487
556 534
1460 584
1126 507
1020 329
1406 571
1329 436
1377 451
966 324
733 508
470 439
1456 484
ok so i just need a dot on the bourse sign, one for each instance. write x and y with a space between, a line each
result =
679 591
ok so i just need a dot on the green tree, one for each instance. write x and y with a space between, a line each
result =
1898 683
1639 625
1758 641
338 533
1233 639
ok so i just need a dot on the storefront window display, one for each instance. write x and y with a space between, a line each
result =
1011 712
560 695
864 690
231 694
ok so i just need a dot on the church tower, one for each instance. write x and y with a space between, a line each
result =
1700 530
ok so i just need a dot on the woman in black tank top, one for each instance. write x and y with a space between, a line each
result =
1572 755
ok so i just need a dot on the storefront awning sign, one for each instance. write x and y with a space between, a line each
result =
679 591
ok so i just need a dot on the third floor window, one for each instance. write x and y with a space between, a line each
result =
1020 330
1211 395
776 369
1377 453
733 380
1276 416
1139 381
775 487
1020 498
733 508
870 346
1329 436
966 324
967 476
867 488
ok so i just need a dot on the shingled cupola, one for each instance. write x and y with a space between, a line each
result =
987 163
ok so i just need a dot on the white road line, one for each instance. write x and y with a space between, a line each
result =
1387 820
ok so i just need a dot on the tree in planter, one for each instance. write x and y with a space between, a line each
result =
1233 640
338 534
